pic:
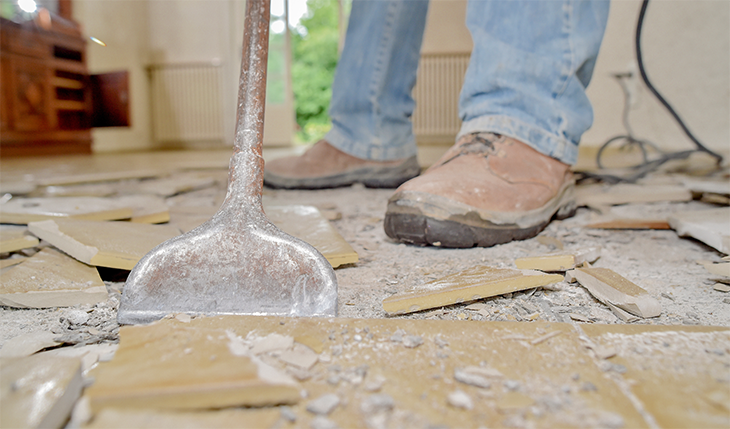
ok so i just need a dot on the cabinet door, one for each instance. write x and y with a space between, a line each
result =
110 97
31 95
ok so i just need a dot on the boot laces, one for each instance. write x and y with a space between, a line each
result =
481 144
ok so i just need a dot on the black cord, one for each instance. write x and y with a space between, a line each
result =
646 166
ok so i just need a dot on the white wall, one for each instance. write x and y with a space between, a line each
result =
123 26
686 50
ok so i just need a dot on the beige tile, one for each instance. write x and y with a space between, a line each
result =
50 279
146 208
25 210
38 391
678 374
419 379
27 344
110 418
9 262
609 287
550 263
308 224
711 226
598 195
177 365
175 184
14 238
630 224
468 285
102 176
106 244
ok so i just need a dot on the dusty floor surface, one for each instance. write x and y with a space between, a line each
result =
657 260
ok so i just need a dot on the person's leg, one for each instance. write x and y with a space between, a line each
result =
524 109
371 140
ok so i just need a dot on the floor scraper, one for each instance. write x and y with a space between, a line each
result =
237 262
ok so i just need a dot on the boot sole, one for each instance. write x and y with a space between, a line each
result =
412 224
371 177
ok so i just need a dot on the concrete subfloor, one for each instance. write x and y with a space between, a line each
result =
658 260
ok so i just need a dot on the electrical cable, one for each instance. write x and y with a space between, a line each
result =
646 166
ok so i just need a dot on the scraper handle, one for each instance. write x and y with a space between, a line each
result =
252 84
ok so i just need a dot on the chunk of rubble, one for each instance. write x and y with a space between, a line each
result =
474 376
459 399
324 405
24 210
469 285
609 287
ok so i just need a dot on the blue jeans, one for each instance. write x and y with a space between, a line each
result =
531 63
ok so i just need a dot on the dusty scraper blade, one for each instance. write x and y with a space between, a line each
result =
223 267
238 262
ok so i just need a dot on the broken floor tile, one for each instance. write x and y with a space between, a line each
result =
721 287
550 263
718 269
14 238
469 285
25 210
599 194
307 224
107 176
300 356
609 287
9 262
653 360
711 226
146 208
631 224
542 371
149 371
110 418
27 344
175 184
271 342
38 391
51 279
107 244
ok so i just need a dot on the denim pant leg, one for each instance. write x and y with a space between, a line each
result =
371 102
529 69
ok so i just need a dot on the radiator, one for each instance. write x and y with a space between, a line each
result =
186 102
440 77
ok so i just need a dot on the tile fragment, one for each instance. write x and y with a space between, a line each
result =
38 391
14 238
609 287
711 226
25 210
107 244
324 405
27 344
459 399
149 371
51 279
469 285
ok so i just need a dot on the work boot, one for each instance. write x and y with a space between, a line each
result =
325 166
487 189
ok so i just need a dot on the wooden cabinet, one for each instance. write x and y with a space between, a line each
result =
46 105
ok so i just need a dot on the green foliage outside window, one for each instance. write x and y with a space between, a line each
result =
314 52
